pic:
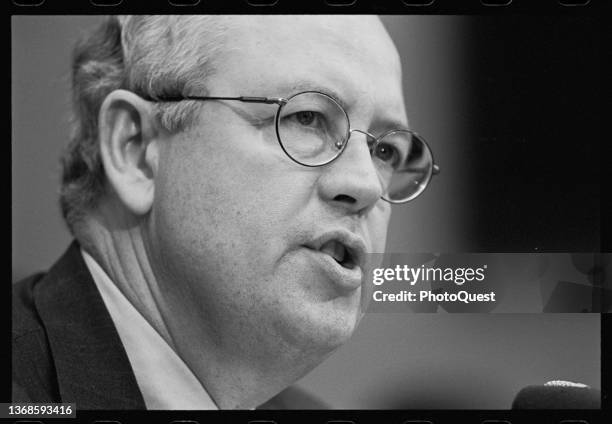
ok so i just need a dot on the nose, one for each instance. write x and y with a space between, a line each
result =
351 182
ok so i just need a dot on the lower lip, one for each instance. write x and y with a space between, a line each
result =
344 278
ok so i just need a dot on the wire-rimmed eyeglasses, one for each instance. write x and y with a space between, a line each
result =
313 129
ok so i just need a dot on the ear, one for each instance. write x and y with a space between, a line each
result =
129 148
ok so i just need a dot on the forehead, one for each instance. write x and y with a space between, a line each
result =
279 55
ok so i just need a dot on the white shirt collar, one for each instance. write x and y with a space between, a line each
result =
163 378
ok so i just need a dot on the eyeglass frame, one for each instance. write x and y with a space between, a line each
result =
282 101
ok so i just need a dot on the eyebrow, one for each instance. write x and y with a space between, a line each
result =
306 85
392 124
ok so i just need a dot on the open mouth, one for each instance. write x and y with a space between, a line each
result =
340 253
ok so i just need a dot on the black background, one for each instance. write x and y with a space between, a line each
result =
537 133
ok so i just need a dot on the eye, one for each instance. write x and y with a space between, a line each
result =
306 117
389 154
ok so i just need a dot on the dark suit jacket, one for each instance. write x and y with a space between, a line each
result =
66 347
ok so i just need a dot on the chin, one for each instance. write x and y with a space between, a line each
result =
335 335
320 331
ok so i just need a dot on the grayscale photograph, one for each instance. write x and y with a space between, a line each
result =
238 212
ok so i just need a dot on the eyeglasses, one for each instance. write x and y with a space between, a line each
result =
313 129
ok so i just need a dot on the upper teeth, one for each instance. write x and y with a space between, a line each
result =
334 249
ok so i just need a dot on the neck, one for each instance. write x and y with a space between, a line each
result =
115 241
237 371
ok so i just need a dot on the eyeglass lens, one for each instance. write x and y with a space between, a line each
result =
313 130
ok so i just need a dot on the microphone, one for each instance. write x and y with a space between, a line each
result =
558 394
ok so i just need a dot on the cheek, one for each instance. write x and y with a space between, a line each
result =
227 197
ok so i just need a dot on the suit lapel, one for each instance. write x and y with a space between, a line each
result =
92 367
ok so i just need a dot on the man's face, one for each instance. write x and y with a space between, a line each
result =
236 226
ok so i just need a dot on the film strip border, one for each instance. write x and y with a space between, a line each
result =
571 7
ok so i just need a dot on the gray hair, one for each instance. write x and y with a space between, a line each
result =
151 56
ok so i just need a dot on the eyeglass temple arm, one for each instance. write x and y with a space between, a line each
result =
246 99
